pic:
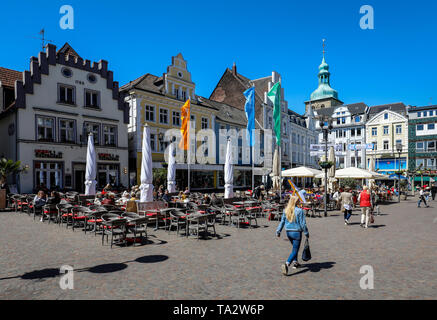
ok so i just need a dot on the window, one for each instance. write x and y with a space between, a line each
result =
66 94
184 95
338 120
385 116
45 128
49 174
431 126
150 113
352 132
343 120
176 118
163 116
293 138
92 99
163 145
424 113
420 146
204 123
153 142
430 146
91 78
67 131
93 128
398 129
431 163
375 146
358 132
420 163
193 121
419 127
398 142
66 72
431 113
385 130
176 92
385 145
419 114
109 135
374 131
357 118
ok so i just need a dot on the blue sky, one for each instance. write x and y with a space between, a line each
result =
394 62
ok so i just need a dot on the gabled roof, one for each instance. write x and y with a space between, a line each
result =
357 108
398 107
68 50
147 82
8 77
423 108
379 114
226 112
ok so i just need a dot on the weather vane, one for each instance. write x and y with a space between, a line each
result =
324 47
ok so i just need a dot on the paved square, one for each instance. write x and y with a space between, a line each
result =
239 264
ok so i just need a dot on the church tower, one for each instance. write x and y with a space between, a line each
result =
324 96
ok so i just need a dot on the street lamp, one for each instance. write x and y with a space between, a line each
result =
325 123
399 149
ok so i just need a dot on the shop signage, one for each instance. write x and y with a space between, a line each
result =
321 147
48 154
109 157
356 147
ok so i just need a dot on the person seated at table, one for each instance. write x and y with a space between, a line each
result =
4 185
124 198
109 199
98 199
215 201
55 198
166 196
39 201
206 199
186 191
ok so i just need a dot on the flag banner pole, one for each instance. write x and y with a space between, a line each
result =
253 166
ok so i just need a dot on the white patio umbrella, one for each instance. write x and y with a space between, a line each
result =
146 186
331 171
301 172
276 171
372 169
229 172
171 170
91 168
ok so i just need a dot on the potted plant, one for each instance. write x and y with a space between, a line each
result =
326 164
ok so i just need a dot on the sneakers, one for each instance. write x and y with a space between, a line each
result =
362 225
346 222
295 265
284 269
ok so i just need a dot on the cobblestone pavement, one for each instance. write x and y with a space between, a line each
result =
239 264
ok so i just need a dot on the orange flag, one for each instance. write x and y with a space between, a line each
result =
185 115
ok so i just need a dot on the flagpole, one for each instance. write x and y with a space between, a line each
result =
280 173
253 174
189 156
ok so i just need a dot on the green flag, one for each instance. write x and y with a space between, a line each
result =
275 97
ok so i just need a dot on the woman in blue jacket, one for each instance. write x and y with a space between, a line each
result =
293 219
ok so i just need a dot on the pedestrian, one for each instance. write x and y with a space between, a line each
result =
422 198
293 218
433 191
346 200
365 203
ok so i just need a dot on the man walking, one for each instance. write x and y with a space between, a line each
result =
422 198
346 204
365 204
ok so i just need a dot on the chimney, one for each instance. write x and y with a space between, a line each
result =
234 69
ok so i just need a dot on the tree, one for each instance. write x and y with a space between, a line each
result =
349 182
9 167
159 177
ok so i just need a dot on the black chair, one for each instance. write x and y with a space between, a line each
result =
178 220
138 226
198 223
115 228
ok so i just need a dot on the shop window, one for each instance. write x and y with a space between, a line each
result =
48 175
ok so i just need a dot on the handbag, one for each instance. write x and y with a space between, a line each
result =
372 219
306 253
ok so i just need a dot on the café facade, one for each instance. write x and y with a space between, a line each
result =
58 103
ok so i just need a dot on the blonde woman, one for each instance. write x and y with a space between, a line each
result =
293 219
365 201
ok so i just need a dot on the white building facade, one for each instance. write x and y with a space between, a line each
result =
57 104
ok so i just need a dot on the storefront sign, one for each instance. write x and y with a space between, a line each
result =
48 154
355 147
109 157
321 147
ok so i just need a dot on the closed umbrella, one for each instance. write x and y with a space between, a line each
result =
91 168
229 172
276 171
146 186
171 170
331 171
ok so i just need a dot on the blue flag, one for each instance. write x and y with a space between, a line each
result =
249 107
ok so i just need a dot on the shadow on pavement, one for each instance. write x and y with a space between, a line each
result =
151 259
105 268
313 267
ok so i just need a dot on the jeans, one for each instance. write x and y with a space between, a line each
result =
421 198
347 214
295 239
